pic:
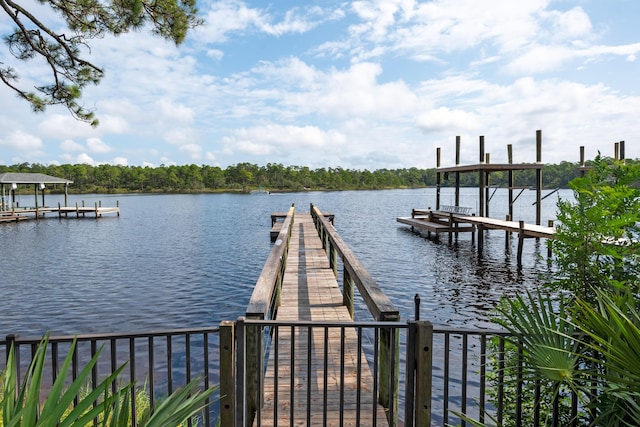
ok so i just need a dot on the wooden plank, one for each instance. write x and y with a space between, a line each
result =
310 292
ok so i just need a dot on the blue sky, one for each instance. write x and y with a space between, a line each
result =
356 84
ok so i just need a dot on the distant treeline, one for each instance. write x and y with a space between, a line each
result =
273 177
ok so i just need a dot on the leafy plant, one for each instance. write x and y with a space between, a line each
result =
586 342
21 405
596 242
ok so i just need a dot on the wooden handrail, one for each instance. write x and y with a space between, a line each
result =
267 290
378 303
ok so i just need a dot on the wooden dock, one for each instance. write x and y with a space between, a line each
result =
442 221
451 222
20 214
317 372
310 292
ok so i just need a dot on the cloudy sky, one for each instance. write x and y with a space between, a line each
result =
357 84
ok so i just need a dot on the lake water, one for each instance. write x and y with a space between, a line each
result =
178 261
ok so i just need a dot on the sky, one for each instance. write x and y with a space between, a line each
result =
352 84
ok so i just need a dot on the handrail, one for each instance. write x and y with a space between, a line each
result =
379 305
265 297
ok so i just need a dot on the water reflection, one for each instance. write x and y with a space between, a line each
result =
175 261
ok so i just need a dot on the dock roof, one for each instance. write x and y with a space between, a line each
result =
31 178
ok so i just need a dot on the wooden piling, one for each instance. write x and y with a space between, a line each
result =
228 366
423 379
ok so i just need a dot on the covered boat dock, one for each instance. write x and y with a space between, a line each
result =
11 211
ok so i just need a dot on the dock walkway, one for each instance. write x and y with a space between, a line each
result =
310 292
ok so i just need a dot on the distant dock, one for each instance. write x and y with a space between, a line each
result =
79 211
457 219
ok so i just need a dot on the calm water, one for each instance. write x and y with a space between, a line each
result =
174 261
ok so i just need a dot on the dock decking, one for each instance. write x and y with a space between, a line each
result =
310 292
452 223
439 222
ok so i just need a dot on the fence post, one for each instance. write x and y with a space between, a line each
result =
347 291
424 380
333 259
389 381
254 368
410 368
241 368
227 374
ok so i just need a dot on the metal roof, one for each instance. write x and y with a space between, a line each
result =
31 178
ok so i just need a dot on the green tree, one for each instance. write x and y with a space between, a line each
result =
589 343
66 50
596 242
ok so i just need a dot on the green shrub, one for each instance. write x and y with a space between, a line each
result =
21 404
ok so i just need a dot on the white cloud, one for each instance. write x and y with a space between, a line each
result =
179 136
262 140
95 145
233 17
122 161
445 119
177 113
21 141
541 59
84 158
70 145
193 150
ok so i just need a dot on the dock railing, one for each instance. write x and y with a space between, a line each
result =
464 369
263 305
380 306
159 362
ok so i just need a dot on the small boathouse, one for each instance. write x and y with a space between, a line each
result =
11 211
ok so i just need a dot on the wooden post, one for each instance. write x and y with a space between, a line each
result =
241 369
59 211
550 224
487 183
389 381
457 195
538 177
66 193
424 372
438 178
510 175
347 295
507 236
333 259
520 243
481 174
254 367
622 151
582 160
616 151
227 371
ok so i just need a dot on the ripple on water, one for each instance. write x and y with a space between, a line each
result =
173 261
